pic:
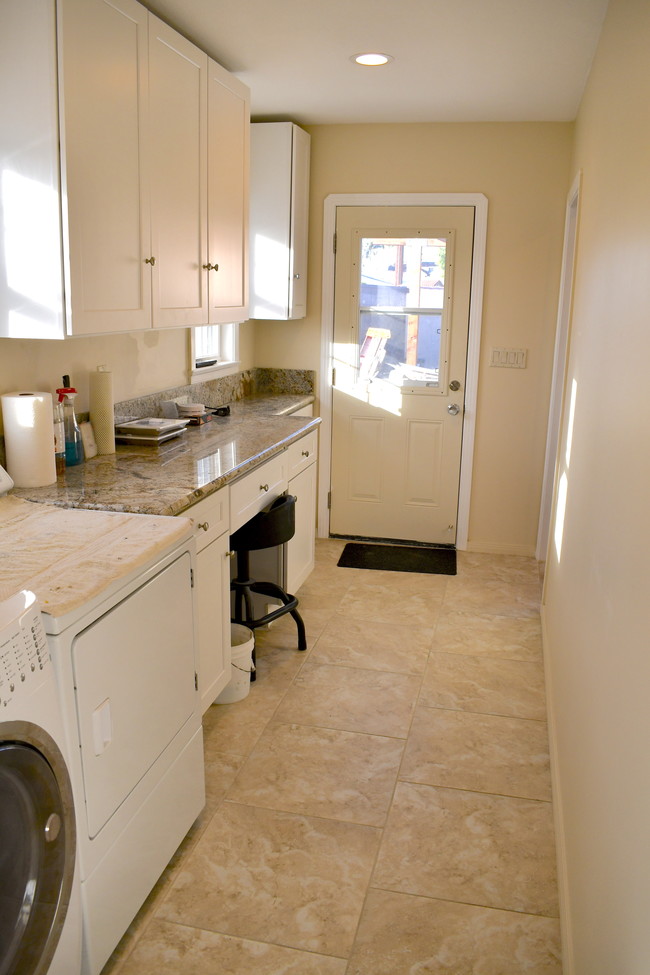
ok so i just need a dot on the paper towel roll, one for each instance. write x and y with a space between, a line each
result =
28 421
101 409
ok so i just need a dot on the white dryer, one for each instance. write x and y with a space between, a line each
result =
40 912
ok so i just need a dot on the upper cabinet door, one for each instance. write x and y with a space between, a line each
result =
300 153
103 92
178 74
228 171
31 274
278 220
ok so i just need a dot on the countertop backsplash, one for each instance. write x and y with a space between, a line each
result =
225 390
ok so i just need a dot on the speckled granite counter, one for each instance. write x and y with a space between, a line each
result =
165 480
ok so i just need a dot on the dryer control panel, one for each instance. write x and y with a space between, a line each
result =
23 646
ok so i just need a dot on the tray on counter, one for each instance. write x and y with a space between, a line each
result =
151 430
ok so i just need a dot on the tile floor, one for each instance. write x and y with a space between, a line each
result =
379 805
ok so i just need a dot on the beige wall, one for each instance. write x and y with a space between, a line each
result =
523 169
596 623
141 362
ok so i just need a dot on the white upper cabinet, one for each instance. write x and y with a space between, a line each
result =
103 52
279 213
228 173
31 271
178 91
131 221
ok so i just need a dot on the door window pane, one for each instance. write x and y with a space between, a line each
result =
401 309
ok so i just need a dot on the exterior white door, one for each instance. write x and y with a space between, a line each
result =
401 313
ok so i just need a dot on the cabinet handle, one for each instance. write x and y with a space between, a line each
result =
211 267
204 525
296 276
150 260
264 487
305 453
230 555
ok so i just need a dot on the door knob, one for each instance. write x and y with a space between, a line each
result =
454 385
453 408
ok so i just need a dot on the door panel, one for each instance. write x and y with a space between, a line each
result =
402 292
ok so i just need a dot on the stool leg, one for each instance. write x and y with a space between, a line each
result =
302 638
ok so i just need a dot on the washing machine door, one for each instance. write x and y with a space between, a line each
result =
37 848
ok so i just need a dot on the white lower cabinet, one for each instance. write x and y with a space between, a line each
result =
211 519
300 549
302 470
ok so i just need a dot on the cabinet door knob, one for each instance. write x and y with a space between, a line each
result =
204 525
150 260
230 555
296 276
211 267
264 487
305 453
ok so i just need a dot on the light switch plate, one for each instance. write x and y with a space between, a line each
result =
508 358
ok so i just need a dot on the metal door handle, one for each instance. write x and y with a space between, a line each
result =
454 385
453 408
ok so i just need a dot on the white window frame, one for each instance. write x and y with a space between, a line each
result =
221 342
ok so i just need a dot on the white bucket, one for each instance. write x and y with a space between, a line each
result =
242 641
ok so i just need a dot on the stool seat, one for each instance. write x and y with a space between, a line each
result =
272 526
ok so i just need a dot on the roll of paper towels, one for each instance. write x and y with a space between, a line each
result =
101 409
28 420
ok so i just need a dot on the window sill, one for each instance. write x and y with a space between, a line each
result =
213 372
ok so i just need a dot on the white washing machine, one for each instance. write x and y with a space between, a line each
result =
40 912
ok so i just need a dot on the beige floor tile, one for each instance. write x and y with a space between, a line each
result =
493 597
490 851
512 569
396 647
320 772
328 580
484 684
169 949
329 549
493 636
236 727
478 752
405 935
392 603
221 769
351 699
276 877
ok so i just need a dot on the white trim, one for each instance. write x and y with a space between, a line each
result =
480 204
559 366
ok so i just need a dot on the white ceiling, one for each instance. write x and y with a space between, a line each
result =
460 61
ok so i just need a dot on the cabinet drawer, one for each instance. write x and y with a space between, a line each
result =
254 491
302 453
210 517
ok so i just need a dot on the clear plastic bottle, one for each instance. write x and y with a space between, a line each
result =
74 451
59 438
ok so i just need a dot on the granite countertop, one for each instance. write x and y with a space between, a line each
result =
167 479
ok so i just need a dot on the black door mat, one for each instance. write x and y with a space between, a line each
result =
398 558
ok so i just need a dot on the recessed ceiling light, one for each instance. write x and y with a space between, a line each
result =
371 59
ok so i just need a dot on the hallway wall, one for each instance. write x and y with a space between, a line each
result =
598 571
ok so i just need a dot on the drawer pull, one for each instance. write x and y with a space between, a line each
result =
230 555
204 525
264 487
305 453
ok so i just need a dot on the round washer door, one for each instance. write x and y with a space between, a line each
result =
38 848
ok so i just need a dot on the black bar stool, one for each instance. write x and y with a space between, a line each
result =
273 526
